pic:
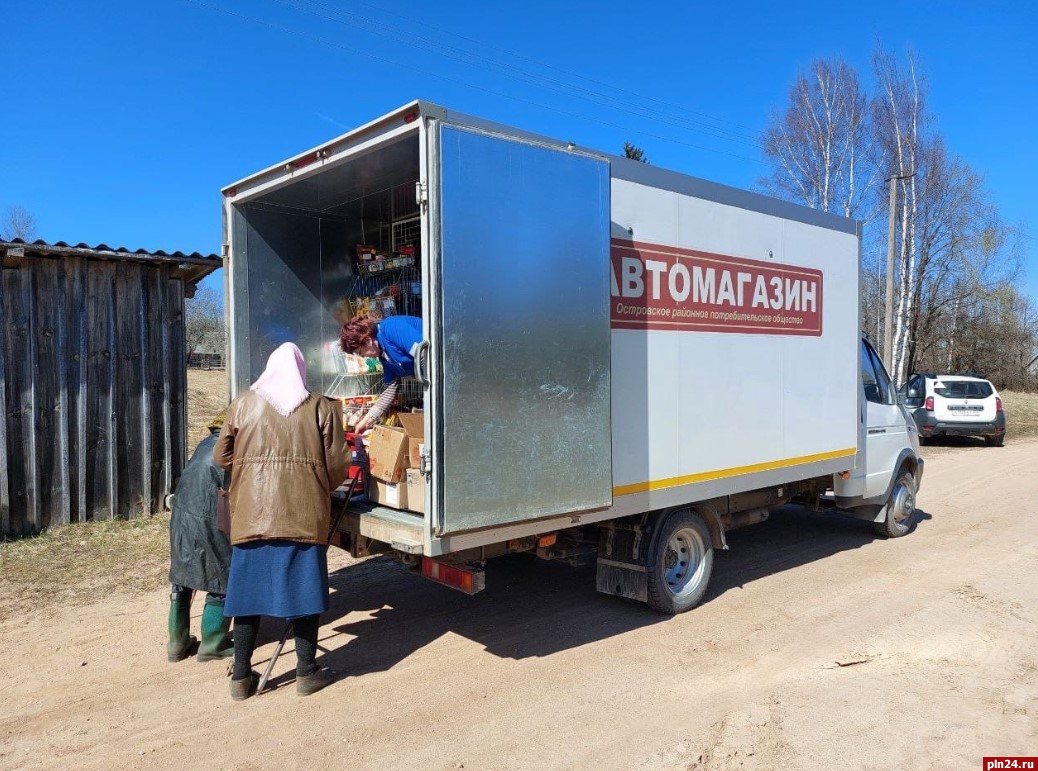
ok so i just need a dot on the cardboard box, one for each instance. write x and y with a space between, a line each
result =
413 424
387 453
415 490
392 495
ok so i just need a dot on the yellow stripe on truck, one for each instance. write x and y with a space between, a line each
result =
706 476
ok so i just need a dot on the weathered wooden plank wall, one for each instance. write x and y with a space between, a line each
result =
101 404
5 488
177 400
76 363
20 402
94 390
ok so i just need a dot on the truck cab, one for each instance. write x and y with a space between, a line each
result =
888 470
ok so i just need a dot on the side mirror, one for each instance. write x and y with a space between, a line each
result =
913 393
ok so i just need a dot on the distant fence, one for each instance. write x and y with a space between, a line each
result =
205 361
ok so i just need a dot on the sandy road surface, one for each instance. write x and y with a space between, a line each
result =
938 631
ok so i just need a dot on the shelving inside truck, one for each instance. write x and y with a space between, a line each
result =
296 248
512 282
312 250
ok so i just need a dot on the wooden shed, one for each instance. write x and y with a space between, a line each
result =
93 361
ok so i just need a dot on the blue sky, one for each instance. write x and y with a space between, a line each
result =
123 119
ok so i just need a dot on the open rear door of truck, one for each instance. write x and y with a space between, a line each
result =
522 355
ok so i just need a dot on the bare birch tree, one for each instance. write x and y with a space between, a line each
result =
820 148
954 303
898 119
204 326
963 253
19 223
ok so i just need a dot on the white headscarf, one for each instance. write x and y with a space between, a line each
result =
283 382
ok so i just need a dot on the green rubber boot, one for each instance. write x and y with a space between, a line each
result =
216 631
181 644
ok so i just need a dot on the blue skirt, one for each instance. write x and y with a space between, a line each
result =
283 579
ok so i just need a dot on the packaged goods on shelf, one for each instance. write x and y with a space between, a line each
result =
381 264
360 365
353 409
377 308
366 253
383 307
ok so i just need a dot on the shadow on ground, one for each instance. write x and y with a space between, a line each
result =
532 608
790 538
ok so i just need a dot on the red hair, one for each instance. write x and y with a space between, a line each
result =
354 332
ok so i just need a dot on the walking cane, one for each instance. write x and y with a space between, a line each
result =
288 624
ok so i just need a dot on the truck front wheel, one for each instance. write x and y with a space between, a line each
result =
899 511
683 560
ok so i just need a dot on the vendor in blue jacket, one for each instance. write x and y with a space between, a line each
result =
394 341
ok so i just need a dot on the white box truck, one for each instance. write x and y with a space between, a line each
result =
620 362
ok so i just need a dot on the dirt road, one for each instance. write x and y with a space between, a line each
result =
936 633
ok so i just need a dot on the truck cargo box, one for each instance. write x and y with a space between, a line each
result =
603 337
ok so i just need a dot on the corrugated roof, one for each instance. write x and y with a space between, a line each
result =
190 268
105 250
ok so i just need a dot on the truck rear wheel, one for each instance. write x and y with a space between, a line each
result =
683 560
900 508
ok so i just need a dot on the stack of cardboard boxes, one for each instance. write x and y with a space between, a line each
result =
394 463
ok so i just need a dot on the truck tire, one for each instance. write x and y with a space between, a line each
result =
680 567
995 441
899 511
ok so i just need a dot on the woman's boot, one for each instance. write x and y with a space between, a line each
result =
181 644
216 631
243 679
310 676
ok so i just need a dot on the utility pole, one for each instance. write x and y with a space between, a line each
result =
888 312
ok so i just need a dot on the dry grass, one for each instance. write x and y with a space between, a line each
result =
79 563
1021 413
73 564
206 396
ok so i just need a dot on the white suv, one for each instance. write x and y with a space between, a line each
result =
955 405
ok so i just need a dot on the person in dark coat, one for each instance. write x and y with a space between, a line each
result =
199 557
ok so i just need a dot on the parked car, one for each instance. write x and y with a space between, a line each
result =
955 405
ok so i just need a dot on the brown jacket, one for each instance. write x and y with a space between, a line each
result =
282 469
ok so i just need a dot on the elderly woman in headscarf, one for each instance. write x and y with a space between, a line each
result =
286 452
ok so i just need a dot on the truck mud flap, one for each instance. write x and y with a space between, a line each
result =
622 579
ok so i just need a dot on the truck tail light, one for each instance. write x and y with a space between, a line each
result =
929 403
457 577
998 404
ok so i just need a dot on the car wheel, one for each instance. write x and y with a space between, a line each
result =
899 511
681 566
995 441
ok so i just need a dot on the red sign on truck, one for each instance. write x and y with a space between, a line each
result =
664 287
